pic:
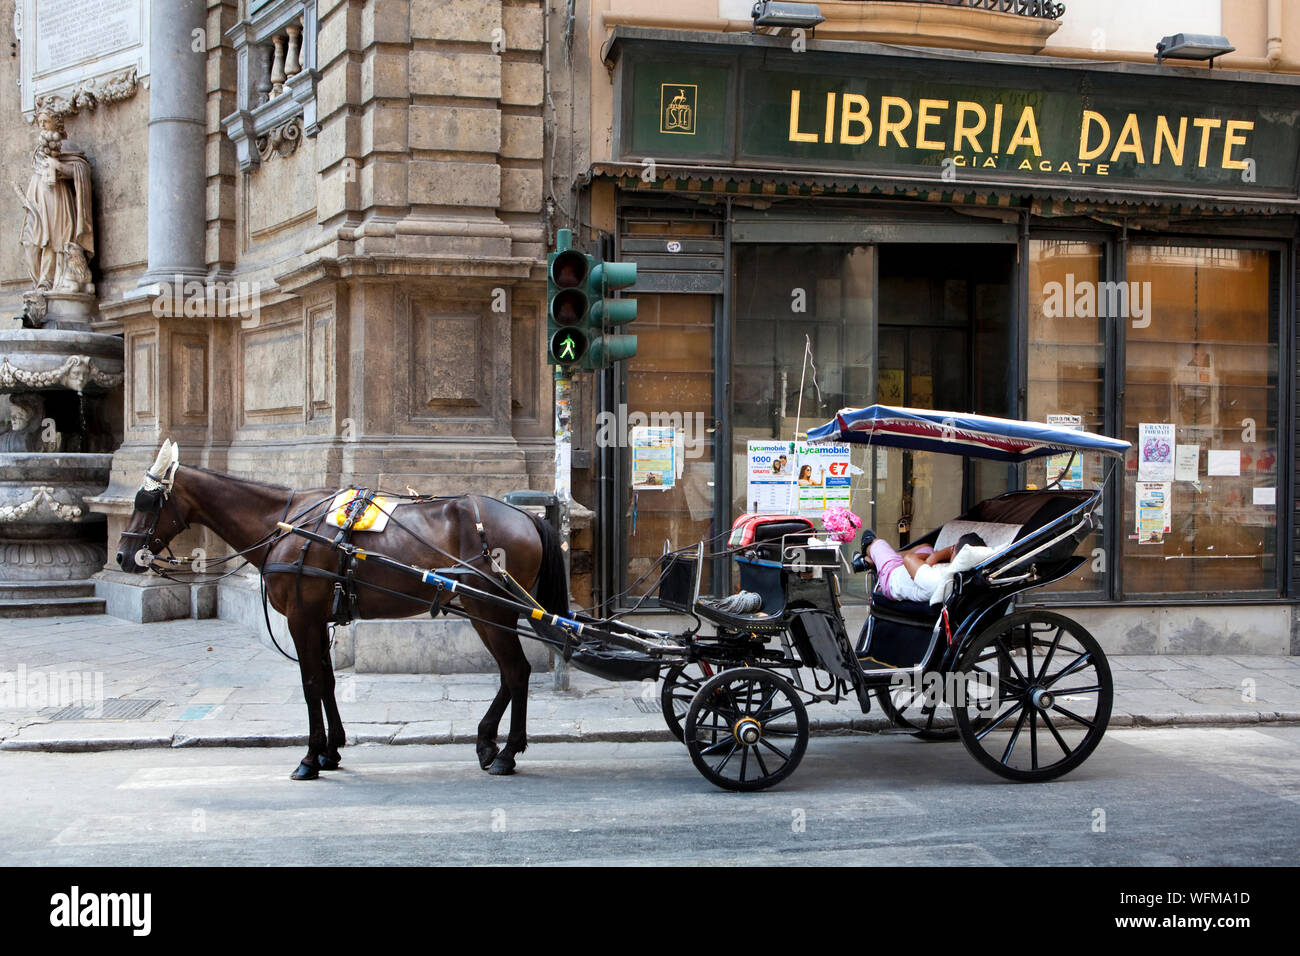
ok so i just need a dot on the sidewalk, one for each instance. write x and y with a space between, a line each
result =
212 683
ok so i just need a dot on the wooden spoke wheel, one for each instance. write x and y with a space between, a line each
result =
913 708
746 729
1035 694
680 683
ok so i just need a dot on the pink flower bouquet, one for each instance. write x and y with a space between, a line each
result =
842 523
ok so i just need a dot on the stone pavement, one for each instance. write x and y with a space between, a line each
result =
214 683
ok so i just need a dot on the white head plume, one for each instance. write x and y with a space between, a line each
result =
159 474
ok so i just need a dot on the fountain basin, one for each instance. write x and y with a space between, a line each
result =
44 359
47 532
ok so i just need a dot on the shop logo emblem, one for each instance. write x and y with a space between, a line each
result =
677 108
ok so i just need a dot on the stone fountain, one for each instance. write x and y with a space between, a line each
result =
55 377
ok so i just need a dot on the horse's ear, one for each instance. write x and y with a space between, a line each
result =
175 454
161 461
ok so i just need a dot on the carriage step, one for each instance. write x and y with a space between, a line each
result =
51 607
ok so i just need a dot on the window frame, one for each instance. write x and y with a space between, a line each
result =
1286 370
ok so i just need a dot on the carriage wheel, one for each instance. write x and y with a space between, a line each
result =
681 681
908 709
746 729
1034 696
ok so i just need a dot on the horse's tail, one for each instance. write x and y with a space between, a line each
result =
552 589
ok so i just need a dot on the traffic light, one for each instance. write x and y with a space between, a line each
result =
580 308
567 305
607 312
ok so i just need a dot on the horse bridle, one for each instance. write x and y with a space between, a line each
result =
151 501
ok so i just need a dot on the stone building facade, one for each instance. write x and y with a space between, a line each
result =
322 240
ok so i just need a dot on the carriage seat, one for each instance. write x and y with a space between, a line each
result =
905 612
758 622
998 535
762 577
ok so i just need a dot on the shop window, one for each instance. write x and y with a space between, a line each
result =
1201 409
1067 350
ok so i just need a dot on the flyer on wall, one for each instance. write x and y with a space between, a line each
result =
1056 464
655 455
797 478
1153 512
823 478
1155 451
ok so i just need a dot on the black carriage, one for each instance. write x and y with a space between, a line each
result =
1029 692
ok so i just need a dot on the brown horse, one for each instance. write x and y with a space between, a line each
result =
431 533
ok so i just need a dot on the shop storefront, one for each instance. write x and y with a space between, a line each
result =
1103 245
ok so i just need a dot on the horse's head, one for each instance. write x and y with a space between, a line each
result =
157 517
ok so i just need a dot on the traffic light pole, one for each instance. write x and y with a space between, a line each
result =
563 488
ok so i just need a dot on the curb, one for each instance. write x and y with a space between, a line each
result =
820 728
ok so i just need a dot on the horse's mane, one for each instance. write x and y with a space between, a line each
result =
247 481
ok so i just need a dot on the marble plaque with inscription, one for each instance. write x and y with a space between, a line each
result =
67 43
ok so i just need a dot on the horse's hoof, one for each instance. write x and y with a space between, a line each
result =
487 755
329 763
305 771
502 767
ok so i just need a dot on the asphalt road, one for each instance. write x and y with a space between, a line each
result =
1146 797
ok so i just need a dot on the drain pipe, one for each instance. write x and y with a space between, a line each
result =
1273 42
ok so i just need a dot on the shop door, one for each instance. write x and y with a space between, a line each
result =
667 492
944 342
920 368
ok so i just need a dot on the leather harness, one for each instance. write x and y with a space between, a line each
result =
344 609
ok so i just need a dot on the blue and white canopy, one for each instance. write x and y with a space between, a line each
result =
960 433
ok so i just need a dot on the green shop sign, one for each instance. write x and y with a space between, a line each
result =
959 117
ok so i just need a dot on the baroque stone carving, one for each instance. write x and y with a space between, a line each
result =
26 409
90 94
280 141
42 495
76 372
58 231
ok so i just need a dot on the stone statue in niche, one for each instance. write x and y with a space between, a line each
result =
58 234
26 411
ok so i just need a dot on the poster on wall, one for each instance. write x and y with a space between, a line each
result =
1187 460
654 458
822 480
1155 451
797 478
1056 464
1224 462
770 476
1154 511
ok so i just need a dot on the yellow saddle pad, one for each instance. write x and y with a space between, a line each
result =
375 517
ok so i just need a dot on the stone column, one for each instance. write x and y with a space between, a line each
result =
177 131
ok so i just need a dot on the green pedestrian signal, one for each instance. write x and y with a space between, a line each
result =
565 346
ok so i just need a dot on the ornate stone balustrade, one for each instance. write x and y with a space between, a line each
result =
275 52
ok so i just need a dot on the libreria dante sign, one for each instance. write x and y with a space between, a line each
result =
1110 126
